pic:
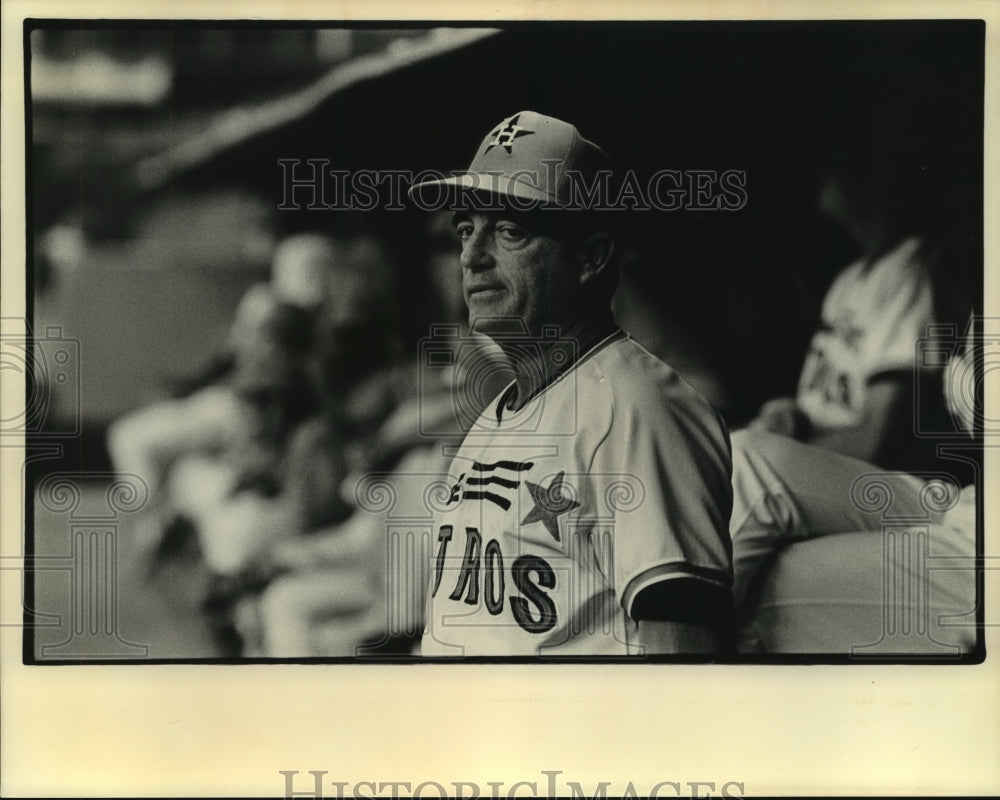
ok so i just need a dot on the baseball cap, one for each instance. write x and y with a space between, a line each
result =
533 158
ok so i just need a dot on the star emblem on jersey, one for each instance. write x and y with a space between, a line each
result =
550 503
505 135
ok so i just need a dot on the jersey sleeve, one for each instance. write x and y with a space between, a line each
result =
665 472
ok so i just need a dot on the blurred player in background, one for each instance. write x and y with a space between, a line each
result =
356 587
862 589
355 365
855 393
855 407
225 437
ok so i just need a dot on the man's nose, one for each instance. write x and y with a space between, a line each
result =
476 252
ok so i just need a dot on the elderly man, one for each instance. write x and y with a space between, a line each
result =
589 505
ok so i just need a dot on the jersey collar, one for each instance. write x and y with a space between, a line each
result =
543 362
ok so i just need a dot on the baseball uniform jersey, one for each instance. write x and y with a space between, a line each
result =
872 318
611 481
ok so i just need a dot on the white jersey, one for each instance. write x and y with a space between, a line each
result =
872 319
612 480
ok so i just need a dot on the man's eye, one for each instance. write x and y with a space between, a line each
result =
510 233
463 230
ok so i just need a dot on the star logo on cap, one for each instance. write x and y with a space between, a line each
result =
505 135
550 503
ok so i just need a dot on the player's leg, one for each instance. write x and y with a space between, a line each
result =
784 490
846 591
328 612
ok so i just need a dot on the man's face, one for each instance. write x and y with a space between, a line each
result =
511 270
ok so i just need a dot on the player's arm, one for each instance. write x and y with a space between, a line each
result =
672 638
781 415
148 440
672 550
684 616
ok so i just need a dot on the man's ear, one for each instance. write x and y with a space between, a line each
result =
597 250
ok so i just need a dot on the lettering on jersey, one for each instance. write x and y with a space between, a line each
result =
444 536
545 608
533 609
469 576
492 593
832 384
833 348
495 483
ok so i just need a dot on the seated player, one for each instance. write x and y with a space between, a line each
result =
856 388
307 607
854 413
875 588
196 450
340 591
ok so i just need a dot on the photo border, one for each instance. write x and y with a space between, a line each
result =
174 730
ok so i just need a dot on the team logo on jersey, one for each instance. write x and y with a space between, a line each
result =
505 135
550 503
495 483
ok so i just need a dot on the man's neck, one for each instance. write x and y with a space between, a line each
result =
539 360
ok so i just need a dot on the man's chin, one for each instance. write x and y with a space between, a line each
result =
497 325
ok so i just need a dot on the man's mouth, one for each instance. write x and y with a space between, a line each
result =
486 292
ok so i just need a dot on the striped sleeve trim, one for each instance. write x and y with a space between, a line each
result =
676 591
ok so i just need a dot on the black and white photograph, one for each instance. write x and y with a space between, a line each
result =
424 344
